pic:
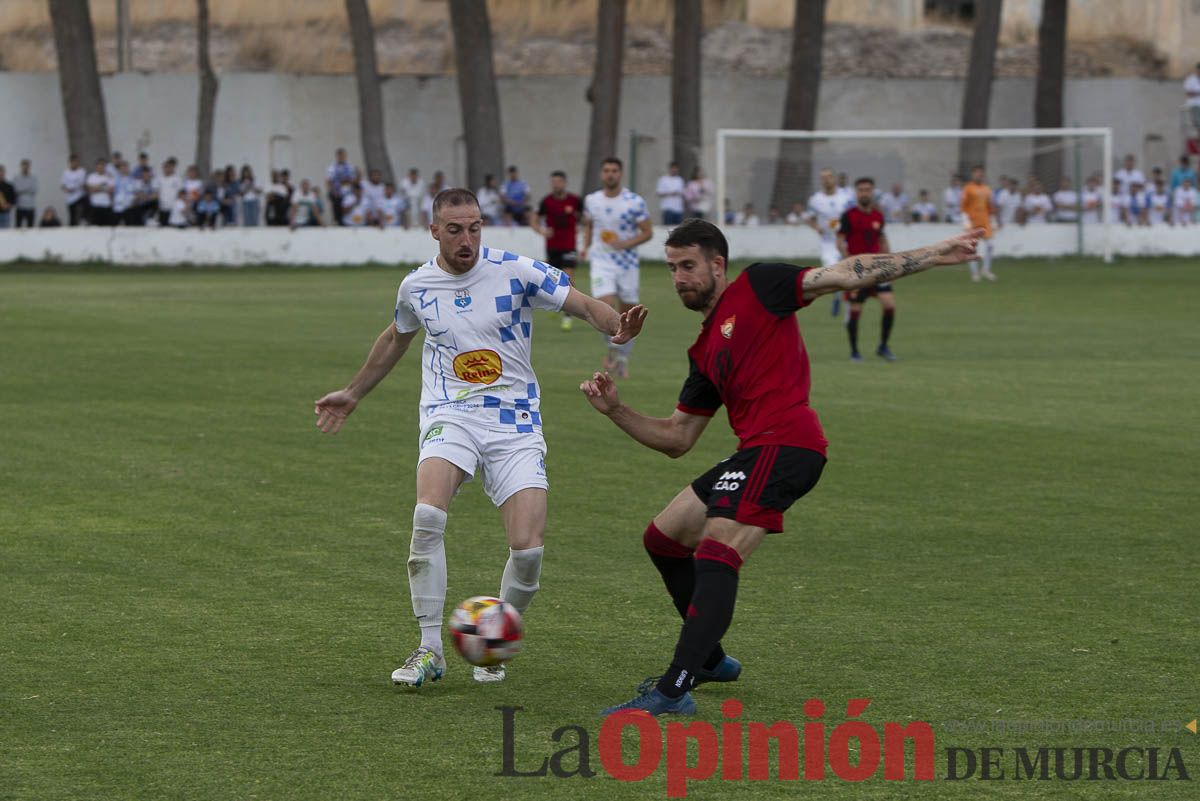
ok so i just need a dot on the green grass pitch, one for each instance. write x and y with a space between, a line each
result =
202 597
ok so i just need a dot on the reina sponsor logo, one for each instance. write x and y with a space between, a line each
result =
478 366
727 326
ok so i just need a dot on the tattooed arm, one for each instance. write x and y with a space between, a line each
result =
867 270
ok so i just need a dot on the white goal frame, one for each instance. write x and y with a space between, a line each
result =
935 133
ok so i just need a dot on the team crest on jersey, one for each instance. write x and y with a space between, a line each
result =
478 366
462 298
727 326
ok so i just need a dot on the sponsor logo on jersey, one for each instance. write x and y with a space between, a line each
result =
554 273
462 298
478 366
727 326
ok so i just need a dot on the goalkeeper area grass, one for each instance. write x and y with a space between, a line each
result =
202 597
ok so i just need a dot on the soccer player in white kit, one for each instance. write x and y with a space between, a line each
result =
823 215
615 222
479 404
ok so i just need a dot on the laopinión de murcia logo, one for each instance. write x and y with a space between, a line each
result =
633 746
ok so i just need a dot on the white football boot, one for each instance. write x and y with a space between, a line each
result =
422 664
489 674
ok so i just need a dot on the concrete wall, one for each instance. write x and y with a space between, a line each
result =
332 247
545 122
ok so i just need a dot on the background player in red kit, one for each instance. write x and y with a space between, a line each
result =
861 231
557 219
750 357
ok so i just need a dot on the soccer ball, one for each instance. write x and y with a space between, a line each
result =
486 631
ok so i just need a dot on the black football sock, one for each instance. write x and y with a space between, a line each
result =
889 316
852 329
709 615
678 570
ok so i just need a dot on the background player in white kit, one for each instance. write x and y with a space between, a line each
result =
823 215
479 404
615 222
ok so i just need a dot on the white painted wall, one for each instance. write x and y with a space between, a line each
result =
340 246
545 121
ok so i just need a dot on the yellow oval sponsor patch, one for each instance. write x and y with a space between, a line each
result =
478 366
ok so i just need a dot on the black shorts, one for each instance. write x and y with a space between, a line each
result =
561 258
757 485
861 295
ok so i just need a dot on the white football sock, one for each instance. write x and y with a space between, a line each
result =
427 572
987 257
974 265
520 579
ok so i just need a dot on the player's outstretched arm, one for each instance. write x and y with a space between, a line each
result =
333 409
674 435
866 270
622 326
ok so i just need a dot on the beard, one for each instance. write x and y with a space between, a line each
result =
697 299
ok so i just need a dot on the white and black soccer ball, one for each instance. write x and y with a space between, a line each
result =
486 631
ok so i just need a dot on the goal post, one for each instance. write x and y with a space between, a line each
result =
906 153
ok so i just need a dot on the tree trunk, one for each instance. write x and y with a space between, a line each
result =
208 93
605 92
685 84
370 98
1048 94
83 101
477 93
793 173
977 93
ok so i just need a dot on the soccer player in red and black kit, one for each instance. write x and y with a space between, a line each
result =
861 232
750 358
557 219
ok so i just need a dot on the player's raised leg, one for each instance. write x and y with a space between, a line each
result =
437 480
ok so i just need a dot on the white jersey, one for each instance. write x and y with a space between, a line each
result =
391 209
827 211
952 204
1007 203
1065 201
1184 203
1159 206
894 207
614 219
1129 177
1092 205
478 327
1037 208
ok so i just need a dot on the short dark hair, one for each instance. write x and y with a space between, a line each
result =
454 196
559 174
702 233
613 160
866 179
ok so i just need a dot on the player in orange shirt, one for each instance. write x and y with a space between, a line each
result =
978 211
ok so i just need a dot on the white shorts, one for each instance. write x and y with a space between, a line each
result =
608 279
829 253
509 461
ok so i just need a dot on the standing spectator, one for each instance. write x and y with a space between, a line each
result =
8 200
170 184
113 164
391 210
1191 87
180 215
1092 200
353 208
147 196
143 171
1184 202
193 184
436 185
231 189
489 200
1129 175
124 197
1158 202
699 195
306 209
26 185
1066 202
100 192
249 192
952 200
1183 172
557 220
923 210
73 186
413 189
371 191
49 218
746 216
796 215
1118 203
279 198
894 204
670 191
208 209
516 197
1036 205
1008 202
336 174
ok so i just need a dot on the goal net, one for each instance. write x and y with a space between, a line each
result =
1057 178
